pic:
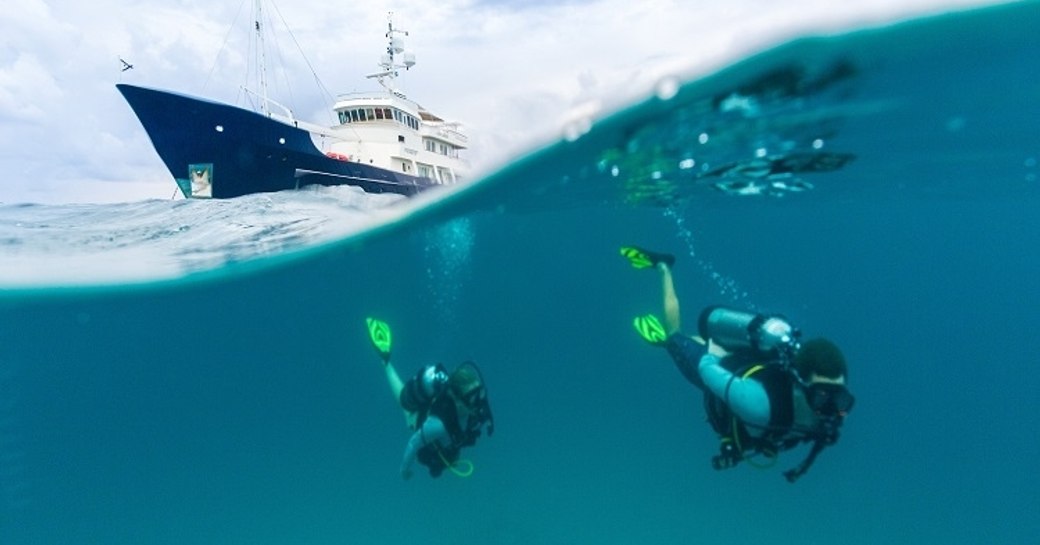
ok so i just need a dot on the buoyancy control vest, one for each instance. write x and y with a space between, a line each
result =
445 404
738 443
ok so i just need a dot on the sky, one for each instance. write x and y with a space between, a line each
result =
514 72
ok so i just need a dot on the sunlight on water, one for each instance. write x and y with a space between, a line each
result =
156 240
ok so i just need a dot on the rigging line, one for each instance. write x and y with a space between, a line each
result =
306 60
223 46
281 63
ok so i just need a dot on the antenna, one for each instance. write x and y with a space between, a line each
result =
389 61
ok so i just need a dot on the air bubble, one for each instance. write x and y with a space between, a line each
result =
667 88
576 129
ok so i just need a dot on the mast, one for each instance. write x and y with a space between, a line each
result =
388 62
261 68
263 58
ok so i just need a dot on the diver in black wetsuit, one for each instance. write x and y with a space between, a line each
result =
764 390
446 410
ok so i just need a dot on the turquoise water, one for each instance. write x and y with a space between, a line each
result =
243 404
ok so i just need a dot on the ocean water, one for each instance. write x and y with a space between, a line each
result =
200 372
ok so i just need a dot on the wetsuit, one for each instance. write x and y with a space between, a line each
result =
445 424
432 431
746 397
767 400
440 434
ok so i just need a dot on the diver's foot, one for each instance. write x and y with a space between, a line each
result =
643 259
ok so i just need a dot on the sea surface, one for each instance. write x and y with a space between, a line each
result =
200 373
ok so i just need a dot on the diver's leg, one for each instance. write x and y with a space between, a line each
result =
686 352
671 301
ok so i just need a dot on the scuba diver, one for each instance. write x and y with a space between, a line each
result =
447 411
765 391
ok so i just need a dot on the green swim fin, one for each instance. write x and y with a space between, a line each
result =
379 332
645 259
650 329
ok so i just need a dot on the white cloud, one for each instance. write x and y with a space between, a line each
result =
26 86
510 70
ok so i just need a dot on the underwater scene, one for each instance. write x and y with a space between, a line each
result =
878 188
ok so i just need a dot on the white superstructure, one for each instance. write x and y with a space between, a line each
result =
387 130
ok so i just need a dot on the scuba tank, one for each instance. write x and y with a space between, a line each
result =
427 384
746 332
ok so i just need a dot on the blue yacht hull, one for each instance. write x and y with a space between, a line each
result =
222 151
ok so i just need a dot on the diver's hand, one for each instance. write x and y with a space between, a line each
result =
717 350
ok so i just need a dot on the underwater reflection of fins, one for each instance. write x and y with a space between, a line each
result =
643 259
650 329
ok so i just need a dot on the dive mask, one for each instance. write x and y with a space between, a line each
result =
828 399
474 397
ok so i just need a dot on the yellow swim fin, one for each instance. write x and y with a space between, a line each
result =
379 333
645 259
650 329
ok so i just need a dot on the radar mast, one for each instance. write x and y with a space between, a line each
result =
394 58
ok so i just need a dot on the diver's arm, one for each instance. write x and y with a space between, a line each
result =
745 397
432 430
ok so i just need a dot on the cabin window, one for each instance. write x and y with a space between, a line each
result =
410 121
400 138
354 116
379 113
430 145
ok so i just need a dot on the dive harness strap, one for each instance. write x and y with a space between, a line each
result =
732 452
